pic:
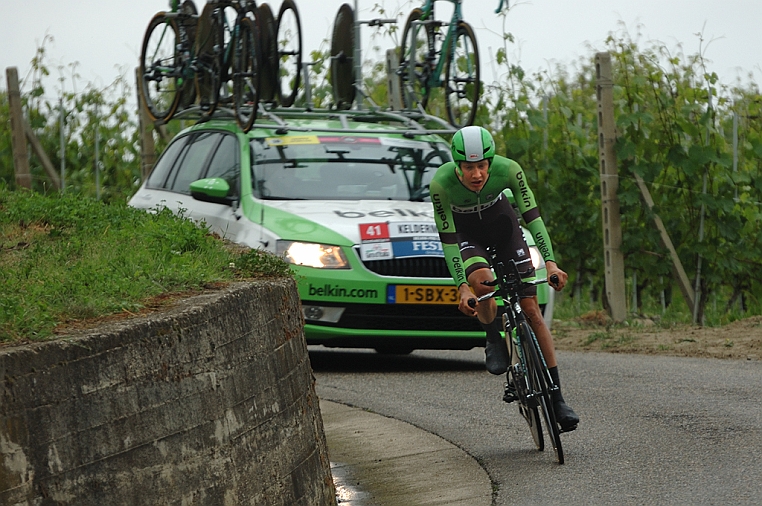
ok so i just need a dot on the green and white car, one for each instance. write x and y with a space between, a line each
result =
343 197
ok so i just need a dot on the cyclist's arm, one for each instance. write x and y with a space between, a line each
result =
446 228
529 211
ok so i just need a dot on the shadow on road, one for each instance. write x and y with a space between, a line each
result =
342 360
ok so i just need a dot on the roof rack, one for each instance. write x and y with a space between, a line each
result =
411 123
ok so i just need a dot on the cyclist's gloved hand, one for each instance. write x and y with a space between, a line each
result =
553 270
465 296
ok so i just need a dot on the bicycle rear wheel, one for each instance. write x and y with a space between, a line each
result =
160 68
288 35
268 82
415 61
538 378
208 64
342 58
462 77
245 74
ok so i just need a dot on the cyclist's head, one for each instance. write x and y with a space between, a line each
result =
472 144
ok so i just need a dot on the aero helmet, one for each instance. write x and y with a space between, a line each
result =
471 144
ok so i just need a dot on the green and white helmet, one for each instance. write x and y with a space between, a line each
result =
472 144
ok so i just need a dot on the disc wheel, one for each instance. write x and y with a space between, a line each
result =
245 74
539 385
268 82
208 64
416 60
342 58
160 68
288 36
462 78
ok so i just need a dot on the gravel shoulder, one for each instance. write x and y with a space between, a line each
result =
741 339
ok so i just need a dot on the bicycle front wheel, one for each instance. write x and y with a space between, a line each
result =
343 58
538 380
462 77
160 68
415 61
245 74
288 36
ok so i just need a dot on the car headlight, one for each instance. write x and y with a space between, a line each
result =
320 256
537 260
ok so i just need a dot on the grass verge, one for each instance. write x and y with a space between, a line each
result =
65 258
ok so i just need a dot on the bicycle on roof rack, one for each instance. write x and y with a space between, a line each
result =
426 53
190 60
528 379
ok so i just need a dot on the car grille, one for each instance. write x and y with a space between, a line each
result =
443 318
416 267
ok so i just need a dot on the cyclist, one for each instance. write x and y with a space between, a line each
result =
471 213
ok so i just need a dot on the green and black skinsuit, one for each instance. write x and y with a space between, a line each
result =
468 222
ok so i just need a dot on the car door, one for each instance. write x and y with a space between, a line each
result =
188 158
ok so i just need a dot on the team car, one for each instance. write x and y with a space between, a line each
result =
343 197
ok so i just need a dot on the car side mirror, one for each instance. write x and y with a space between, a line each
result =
213 189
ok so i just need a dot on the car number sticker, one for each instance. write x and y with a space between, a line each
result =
387 240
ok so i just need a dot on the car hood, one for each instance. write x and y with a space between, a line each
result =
352 222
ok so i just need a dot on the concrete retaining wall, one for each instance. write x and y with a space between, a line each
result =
212 402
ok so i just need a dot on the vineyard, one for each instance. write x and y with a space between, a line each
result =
694 140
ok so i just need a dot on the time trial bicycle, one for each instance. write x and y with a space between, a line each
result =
528 379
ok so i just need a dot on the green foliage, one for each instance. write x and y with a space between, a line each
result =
675 121
65 257
86 114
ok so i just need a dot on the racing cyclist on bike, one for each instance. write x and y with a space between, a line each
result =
472 213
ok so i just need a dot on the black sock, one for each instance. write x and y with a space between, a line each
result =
554 376
492 329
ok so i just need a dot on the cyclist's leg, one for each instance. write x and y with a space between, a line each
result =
477 268
495 349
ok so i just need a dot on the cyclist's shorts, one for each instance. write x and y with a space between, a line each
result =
497 226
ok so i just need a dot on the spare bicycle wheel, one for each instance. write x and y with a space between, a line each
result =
288 36
462 77
268 82
342 58
187 20
208 65
160 68
245 74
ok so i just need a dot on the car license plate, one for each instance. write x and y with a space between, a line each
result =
422 294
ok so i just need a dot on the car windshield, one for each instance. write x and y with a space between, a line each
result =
344 168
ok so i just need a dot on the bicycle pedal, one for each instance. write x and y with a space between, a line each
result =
509 397
567 429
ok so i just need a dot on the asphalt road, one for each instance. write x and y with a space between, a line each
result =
654 430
